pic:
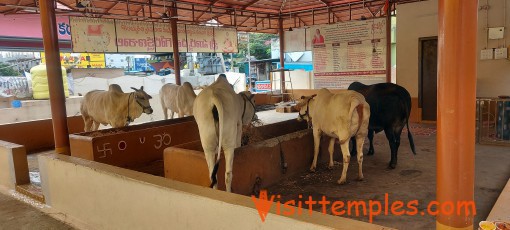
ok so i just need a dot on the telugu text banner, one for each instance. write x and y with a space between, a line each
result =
135 36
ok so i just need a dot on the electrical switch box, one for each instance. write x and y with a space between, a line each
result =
496 32
500 53
487 54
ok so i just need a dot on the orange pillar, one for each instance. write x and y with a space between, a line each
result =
54 71
282 53
457 62
175 46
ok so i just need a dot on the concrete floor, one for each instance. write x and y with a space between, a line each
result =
15 214
414 178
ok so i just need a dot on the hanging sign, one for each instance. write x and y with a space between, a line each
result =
135 36
163 37
225 40
200 39
93 35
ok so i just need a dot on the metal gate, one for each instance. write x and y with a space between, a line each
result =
493 121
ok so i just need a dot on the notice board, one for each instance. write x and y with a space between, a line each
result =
347 52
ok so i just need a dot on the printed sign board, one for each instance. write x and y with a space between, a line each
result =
263 86
95 35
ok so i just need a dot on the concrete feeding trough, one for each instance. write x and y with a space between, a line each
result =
279 150
135 145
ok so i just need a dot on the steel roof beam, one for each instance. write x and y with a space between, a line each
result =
250 4
208 9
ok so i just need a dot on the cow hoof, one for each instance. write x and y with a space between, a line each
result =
312 169
341 182
392 165
330 167
361 178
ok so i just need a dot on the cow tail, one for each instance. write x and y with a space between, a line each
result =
219 107
409 135
358 105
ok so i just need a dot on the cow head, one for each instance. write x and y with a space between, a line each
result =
303 107
249 107
142 99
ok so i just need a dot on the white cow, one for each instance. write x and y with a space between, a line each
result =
220 114
178 99
342 115
113 107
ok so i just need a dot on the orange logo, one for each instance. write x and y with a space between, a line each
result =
358 208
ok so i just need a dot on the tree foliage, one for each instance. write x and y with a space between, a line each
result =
260 46
7 70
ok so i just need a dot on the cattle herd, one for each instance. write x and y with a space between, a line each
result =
349 116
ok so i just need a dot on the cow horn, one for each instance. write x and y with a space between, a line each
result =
135 89
314 95
302 97
141 88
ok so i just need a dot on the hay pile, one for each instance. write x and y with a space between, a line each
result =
106 133
252 134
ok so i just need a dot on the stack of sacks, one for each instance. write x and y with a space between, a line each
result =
40 82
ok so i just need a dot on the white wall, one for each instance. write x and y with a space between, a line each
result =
420 19
40 109
36 110
300 79
493 75
414 20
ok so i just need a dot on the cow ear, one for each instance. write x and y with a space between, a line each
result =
135 89
141 88
314 95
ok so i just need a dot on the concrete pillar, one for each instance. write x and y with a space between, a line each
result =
13 165
54 72
457 62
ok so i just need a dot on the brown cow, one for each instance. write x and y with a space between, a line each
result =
113 107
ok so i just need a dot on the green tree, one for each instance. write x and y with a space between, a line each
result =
7 70
260 46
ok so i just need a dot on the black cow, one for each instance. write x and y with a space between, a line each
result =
390 107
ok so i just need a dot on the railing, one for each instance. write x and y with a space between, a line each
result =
493 121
